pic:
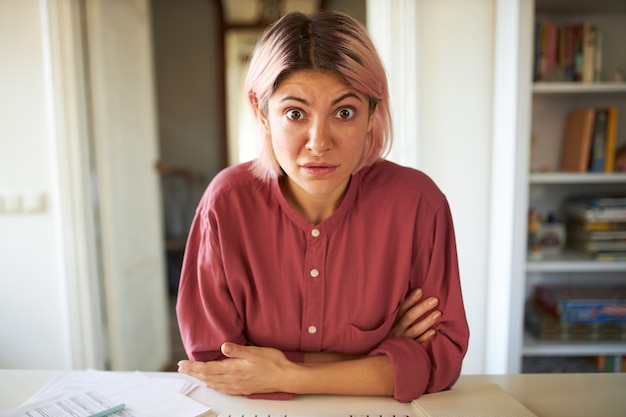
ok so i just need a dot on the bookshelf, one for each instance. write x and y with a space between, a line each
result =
544 187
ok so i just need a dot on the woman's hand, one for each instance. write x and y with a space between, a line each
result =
415 318
246 370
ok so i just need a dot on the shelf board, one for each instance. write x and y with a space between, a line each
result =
578 88
535 347
570 261
577 178
580 6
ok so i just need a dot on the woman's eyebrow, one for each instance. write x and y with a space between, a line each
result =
287 98
346 95
335 101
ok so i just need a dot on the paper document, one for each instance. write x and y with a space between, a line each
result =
487 400
84 404
83 393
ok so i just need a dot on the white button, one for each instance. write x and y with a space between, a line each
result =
315 273
312 329
315 232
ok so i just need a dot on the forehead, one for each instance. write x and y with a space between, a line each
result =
312 82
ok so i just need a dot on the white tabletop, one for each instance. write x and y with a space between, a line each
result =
547 395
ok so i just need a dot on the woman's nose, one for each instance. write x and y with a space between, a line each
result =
318 137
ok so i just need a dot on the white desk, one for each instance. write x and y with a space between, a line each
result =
547 395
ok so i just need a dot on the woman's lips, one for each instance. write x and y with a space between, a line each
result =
318 168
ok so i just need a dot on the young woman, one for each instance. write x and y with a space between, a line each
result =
319 267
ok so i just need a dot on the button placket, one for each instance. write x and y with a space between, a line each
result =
313 309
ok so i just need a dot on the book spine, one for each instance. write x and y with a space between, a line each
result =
569 53
597 311
542 57
598 144
597 59
552 52
596 214
589 52
578 52
537 49
611 137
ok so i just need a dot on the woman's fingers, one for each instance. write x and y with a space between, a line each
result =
414 319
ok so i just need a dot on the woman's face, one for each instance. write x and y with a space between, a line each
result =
313 113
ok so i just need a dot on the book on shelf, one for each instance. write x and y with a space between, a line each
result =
546 326
583 303
607 363
600 246
567 52
577 140
589 140
598 142
611 138
591 64
596 209
595 226
577 233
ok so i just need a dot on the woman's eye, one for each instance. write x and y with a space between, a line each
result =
345 113
295 114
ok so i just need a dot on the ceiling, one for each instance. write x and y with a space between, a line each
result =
251 12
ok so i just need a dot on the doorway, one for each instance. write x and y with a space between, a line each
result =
196 141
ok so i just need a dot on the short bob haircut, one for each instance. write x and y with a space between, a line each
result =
326 41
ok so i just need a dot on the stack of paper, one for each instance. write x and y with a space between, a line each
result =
86 393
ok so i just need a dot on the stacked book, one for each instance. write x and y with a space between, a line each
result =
567 312
597 226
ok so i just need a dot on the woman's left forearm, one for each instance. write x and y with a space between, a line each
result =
342 376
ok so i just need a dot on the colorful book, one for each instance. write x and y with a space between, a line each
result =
611 138
596 235
598 143
546 326
597 246
577 140
583 304
590 32
599 226
596 209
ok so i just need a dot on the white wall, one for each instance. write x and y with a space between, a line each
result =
442 110
455 137
33 320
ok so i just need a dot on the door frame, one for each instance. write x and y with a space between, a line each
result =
75 209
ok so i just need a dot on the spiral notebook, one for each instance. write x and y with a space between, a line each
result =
488 400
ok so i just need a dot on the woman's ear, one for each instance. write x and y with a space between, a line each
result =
260 111
370 122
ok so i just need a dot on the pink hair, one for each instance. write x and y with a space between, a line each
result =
327 41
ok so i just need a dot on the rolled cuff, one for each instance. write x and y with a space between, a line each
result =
410 367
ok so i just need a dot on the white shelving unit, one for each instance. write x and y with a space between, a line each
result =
544 188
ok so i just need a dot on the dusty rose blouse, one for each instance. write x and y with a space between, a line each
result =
257 273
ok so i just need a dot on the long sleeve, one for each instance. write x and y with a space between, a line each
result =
436 364
207 313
